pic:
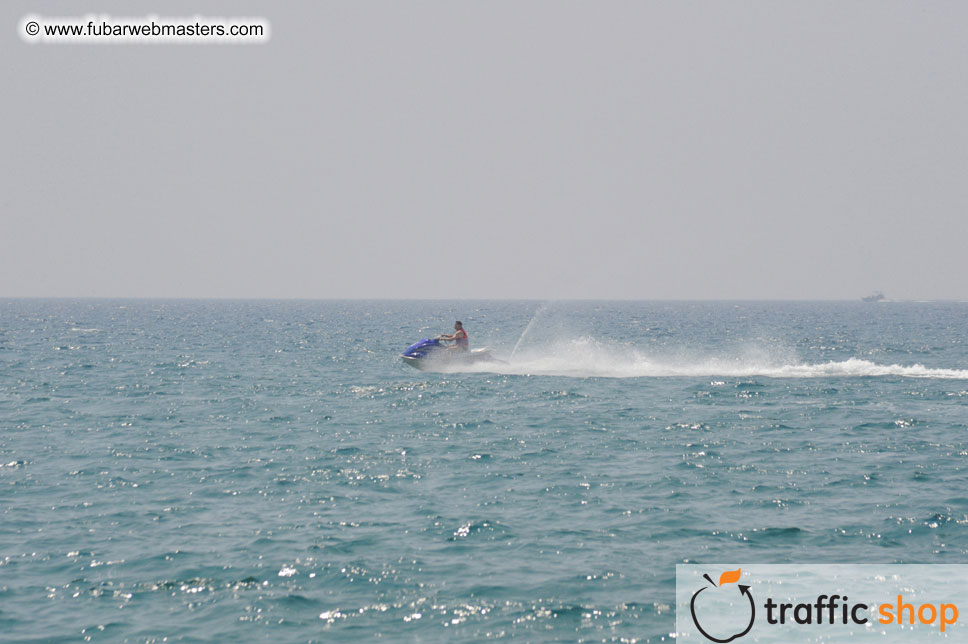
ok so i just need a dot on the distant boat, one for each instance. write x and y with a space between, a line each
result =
874 297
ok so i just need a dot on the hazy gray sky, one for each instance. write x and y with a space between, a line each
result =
493 149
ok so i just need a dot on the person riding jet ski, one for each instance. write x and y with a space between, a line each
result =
430 354
458 337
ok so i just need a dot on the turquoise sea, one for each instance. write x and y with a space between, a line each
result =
249 471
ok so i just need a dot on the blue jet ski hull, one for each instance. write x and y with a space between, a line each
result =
432 355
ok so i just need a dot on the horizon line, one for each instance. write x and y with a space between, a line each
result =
454 299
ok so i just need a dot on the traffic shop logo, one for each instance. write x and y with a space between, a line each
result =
741 614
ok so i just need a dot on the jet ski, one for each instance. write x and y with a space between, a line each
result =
430 354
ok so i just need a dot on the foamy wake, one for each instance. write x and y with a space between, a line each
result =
585 358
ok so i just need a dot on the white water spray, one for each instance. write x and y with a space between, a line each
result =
585 357
541 309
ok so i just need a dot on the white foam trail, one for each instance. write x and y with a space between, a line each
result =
584 357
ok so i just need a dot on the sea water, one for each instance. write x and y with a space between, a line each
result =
248 471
